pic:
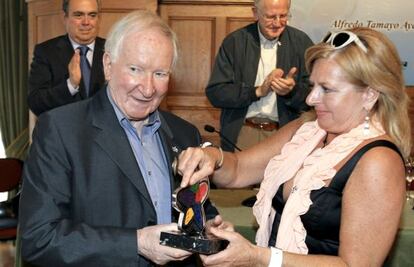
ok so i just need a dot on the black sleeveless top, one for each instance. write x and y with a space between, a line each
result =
322 221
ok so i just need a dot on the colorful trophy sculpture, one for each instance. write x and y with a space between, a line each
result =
189 202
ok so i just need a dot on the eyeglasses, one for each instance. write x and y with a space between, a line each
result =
343 38
280 18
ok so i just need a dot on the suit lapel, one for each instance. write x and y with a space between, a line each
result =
113 140
64 51
284 52
252 55
171 150
97 73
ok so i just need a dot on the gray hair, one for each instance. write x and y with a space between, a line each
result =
135 22
257 3
65 6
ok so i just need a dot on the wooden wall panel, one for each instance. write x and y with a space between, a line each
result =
201 27
108 18
51 25
129 5
193 67
237 23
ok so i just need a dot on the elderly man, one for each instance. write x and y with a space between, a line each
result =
259 79
68 68
98 180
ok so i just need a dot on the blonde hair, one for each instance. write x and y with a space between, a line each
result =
380 69
135 22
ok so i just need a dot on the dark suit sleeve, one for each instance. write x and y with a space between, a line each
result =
295 100
50 234
186 135
48 81
226 87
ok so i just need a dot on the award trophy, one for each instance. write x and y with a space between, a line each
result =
189 202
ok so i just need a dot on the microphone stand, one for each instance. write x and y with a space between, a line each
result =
248 202
211 129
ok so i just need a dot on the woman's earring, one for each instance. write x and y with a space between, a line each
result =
366 124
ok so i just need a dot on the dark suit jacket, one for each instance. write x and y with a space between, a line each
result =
83 195
231 85
49 73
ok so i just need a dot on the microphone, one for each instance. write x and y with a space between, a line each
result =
248 202
211 129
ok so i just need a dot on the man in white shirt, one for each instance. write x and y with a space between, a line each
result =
259 79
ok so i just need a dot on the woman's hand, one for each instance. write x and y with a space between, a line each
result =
196 164
219 223
240 252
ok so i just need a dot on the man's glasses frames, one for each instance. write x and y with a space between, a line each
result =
280 18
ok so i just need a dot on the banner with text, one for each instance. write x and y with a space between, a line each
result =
394 18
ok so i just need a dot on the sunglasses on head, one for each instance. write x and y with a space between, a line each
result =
343 38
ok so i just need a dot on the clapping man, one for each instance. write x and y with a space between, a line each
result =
68 68
259 79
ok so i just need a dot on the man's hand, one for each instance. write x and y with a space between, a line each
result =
283 86
149 245
266 86
74 69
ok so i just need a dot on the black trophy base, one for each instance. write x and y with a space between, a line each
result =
193 243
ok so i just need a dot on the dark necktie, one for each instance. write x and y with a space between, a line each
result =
85 67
